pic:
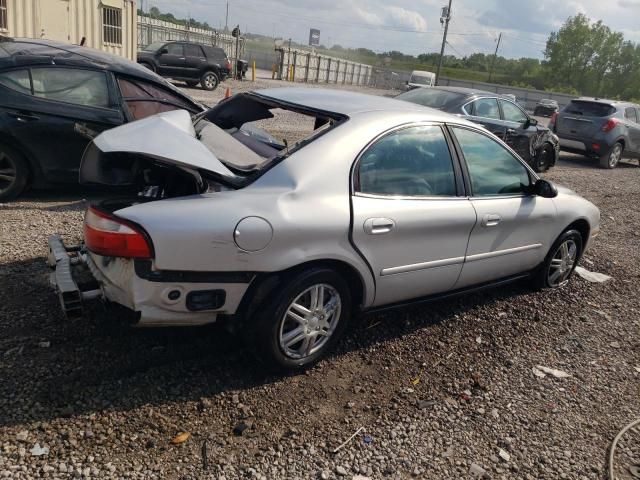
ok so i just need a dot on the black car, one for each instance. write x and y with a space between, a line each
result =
54 98
536 144
191 62
546 108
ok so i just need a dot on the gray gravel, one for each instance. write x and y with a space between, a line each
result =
443 391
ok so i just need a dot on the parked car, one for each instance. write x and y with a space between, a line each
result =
605 129
383 204
188 61
54 98
546 108
536 144
421 79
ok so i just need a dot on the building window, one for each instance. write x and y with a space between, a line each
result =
4 22
111 25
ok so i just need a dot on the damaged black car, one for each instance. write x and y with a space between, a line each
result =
536 144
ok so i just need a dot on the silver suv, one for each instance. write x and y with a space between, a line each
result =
604 129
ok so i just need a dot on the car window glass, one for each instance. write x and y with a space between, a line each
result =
193 51
484 107
17 80
493 169
411 162
512 113
71 85
144 99
174 49
630 114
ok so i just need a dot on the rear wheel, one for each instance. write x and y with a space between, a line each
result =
611 159
209 81
303 321
14 173
560 262
544 159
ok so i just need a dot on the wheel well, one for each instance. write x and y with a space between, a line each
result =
583 227
34 167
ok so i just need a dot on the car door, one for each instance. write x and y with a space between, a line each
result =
514 229
172 62
411 221
195 60
633 131
53 112
486 112
520 130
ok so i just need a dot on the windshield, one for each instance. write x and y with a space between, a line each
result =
430 97
420 80
152 47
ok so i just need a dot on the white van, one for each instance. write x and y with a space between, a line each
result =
421 79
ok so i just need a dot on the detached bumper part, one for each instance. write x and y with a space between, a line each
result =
63 260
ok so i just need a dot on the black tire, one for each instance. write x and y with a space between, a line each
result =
267 329
543 161
14 173
543 277
612 157
209 81
148 66
191 83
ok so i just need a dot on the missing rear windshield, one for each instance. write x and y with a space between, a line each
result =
248 135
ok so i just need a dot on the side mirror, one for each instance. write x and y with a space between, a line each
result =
407 82
545 189
532 122
163 51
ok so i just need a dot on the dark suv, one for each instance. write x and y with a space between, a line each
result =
191 62
604 129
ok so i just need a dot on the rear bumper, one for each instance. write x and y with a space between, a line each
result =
585 146
79 276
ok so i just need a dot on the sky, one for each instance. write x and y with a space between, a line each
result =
411 26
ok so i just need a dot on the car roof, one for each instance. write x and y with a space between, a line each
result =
467 91
347 103
24 52
604 101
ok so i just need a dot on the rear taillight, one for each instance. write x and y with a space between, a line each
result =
111 236
610 125
228 65
552 120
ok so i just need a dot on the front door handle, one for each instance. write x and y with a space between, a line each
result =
378 226
23 117
491 220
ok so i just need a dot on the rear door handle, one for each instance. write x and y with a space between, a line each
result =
491 220
378 226
23 116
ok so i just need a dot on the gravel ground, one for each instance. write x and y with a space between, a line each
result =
445 390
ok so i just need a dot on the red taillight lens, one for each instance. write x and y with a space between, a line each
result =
610 125
552 120
111 236
228 65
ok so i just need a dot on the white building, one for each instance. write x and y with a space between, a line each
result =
108 25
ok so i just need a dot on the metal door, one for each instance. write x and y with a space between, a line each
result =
54 20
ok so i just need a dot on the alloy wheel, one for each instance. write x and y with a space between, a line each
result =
614 156
309 321
7 172
562 263
210 81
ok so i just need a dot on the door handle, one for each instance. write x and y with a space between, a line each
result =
491 220
378 226
23 116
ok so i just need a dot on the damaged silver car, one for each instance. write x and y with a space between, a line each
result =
380 203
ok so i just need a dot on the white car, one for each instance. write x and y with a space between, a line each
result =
385 203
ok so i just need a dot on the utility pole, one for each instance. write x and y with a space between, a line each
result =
495 56
226 22
444 18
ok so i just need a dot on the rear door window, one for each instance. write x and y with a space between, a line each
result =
193 51
144 99
71 85
484 107
630 114
17 80
589 109
175 49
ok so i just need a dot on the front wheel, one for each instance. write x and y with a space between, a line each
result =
560 262
209 81
303 321
544 159
14 173
611 159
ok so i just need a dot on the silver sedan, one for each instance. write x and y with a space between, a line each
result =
382 204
